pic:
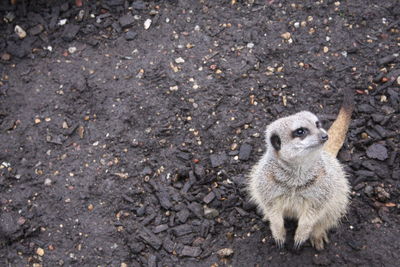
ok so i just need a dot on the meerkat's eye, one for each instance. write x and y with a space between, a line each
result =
300 132
318 124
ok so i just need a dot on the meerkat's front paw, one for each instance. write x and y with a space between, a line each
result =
299 239
279 235
279 242
318 241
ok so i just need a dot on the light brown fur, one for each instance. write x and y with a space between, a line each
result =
299 177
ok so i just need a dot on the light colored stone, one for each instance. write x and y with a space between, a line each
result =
250 45
174 88
72 49
179 60
20 32
147 24
225 252
286 35
40 252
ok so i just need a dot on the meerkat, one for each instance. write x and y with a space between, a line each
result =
299 176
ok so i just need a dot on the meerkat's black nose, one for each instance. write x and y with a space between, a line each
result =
324 137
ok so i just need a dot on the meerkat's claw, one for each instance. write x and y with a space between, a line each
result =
297 244
280 243
301 236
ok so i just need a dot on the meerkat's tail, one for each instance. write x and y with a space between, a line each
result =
337 132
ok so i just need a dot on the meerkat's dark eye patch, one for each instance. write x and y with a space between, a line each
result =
276 141
300 132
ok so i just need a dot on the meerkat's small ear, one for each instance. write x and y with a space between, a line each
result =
276 141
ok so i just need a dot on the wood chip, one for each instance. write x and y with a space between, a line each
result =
122 175
81 131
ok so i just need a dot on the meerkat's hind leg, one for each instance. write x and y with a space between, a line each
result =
319 234
319 237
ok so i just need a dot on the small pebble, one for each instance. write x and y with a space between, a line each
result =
364 135
174 88
62 22
250 45
179 60
9 17
234 146
147 24
376 220
286 35
40 252
72 49
47 182
225 252
20 32
21 220
80 15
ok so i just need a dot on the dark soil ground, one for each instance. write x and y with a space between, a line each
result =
126 146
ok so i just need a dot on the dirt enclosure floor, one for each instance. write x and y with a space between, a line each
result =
127 128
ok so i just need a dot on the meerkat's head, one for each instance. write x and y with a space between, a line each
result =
296 138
